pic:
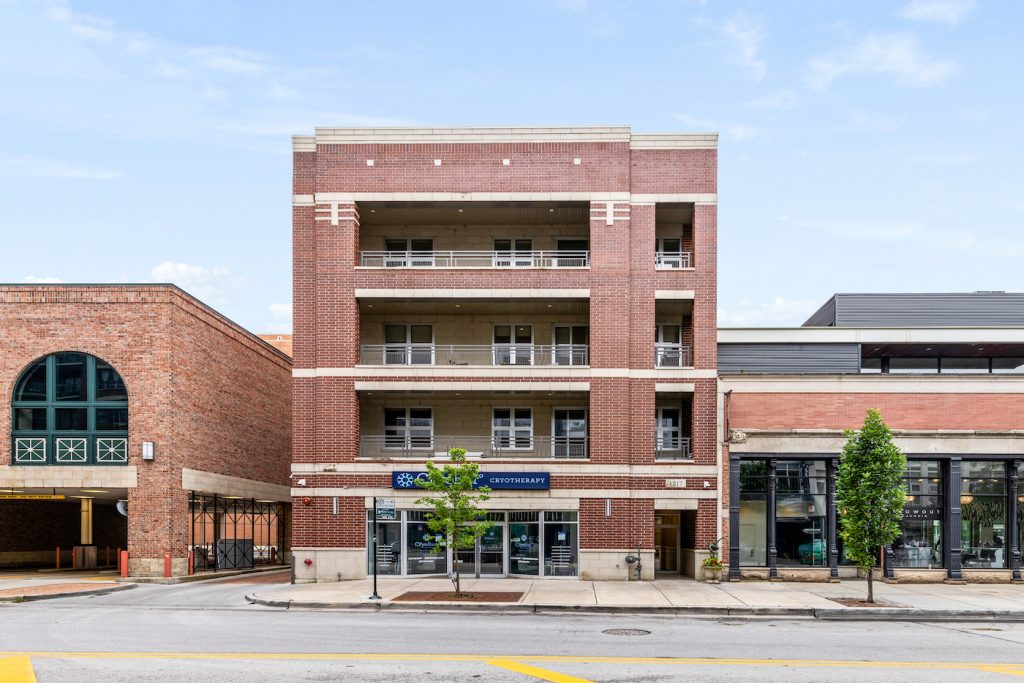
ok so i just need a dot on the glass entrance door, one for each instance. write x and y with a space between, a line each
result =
524 543
666 539
492 551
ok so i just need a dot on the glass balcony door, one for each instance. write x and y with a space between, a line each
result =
669 254
405 253
569 429
668 346
408 345
571 344
513 253
669 429
408 428
513 345
512 429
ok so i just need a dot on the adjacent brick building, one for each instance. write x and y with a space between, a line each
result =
139 394
544 298
947 373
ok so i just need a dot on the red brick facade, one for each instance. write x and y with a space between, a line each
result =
208 394
623 185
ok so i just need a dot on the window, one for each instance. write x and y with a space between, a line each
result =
512 429
670 253
983 514
753 513
513 345
800 513
669 430
668 349
919 544
569 433
513 253
408 344
70 409
907 366
571 344
408 428
561 544
404 253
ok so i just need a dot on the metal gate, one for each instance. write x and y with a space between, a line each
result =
235 533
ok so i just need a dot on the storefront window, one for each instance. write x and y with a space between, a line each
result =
561 544
420 544
800 513
524 541
753 513
920 542
389 546
983 505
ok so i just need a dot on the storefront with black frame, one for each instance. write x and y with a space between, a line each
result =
962 513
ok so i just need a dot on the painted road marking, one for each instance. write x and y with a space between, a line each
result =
535 672
16 670
992 667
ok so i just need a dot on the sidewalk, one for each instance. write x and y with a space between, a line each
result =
675 597
20 586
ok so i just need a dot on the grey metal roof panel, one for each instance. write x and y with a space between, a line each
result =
789 358
966 309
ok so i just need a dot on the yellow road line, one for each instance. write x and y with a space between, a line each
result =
675 661
16 670
535 672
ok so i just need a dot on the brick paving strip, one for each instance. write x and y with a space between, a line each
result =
448 596
51 589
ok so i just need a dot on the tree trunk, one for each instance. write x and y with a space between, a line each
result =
871 585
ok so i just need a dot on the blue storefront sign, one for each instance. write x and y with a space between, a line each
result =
508 481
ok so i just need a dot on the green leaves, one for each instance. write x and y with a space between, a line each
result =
869 490
455 510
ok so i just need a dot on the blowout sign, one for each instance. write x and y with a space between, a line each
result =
509 481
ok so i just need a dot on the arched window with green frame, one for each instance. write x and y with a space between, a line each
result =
70 409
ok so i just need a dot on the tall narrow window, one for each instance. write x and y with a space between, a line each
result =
70 409
668 350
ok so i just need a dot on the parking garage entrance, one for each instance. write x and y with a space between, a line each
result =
61 528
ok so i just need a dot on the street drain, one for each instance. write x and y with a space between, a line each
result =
626 632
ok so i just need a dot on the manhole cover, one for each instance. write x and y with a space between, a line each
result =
626 632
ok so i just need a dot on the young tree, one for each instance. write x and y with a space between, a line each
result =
870 493
456 513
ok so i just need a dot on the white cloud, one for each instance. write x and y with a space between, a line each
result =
745 34
33 280
941 11
779 312
280 316
738 132
892 54
22 165
212 285
783 99
862 122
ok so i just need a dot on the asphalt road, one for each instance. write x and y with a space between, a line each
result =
207 631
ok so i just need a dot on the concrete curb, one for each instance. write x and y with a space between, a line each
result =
159 580
825 614
75 594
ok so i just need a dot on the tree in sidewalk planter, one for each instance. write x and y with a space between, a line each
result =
455 505
870 493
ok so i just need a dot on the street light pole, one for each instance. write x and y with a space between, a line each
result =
375 596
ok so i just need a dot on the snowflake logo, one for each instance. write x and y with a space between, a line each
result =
405 480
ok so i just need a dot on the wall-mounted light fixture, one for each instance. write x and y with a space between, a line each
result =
148 450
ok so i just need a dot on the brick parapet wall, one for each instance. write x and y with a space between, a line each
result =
901 410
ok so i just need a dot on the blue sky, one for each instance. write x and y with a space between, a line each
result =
865 146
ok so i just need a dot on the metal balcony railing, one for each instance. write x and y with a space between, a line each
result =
672 356
504 447
673 259
669 446
485 354
475 259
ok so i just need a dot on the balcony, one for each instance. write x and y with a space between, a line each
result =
673 260
475 259
670 445
668 355
493 355
485 447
